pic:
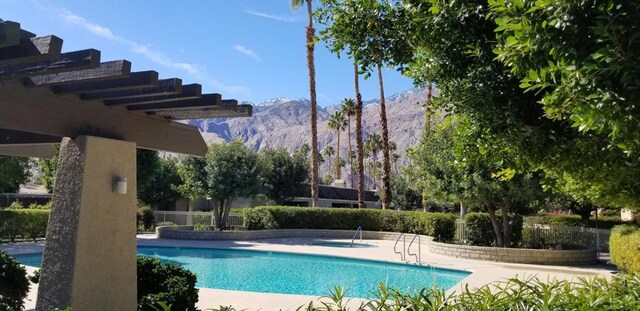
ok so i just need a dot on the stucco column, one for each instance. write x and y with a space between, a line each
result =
89 260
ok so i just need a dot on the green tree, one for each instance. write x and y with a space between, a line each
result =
232 171
373 145
194 177
452 169
163 184
283 174
337 122
348 107
14 171
368 31
48 169
404 195
328 152
310 43
503 95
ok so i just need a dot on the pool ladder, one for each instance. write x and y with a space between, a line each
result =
407 250
359 230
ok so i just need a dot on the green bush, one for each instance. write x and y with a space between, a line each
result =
14 285
624 246
26 223
574 221
167 283
147 218
285 217
619 293
480 230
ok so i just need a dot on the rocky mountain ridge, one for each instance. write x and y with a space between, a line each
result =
282 122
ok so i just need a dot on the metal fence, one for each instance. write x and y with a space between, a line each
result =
535 234
195 218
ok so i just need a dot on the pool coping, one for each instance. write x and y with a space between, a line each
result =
482 272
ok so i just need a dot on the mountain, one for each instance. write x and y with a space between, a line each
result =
282 122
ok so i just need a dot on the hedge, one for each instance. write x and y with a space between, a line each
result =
624 247
604 222
480 231
25 223
168 283
440 225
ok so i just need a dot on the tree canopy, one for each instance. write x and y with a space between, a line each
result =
14 171
284 173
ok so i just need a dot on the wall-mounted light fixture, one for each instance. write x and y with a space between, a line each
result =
120 185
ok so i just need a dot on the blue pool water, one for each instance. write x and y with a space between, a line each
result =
344 244
274 272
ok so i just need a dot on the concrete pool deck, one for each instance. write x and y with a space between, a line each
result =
483 272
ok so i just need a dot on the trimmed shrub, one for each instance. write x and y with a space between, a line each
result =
286 217
168 283
624 246
574 221
26 223
14 285
147 218
480 230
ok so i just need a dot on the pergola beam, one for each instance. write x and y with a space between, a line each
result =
206 100
9 34
108 70
165 86
78 60
11 137
188 114
37 110
44 151
189 91
134 81
31 50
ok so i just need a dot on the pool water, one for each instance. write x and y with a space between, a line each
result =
344 244
286 273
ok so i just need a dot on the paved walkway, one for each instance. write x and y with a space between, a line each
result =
483 272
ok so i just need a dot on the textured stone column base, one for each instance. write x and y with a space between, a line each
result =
89 261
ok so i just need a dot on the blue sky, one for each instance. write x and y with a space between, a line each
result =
248 50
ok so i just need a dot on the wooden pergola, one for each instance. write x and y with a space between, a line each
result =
47 95
99 113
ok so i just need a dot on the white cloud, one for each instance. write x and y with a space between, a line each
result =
244 50
195 71
285 19
98 30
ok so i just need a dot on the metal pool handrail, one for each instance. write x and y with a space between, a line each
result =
402 255
419 254
356 234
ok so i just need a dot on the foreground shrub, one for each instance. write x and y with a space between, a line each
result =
480 231
624 246
14 284
26 223
165 283
286 217
146 218
605 222
621 293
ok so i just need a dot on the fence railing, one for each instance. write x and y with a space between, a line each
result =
195 218
536 234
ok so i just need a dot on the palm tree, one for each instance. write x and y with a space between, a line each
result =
349 109
338 123
374 145
393 147
295 4
359 143
328 151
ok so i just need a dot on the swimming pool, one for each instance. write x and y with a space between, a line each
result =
287 273
344 244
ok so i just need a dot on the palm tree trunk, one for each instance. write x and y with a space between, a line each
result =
338 175
427 113
375 171
350 150
386 167
359 146
312 95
